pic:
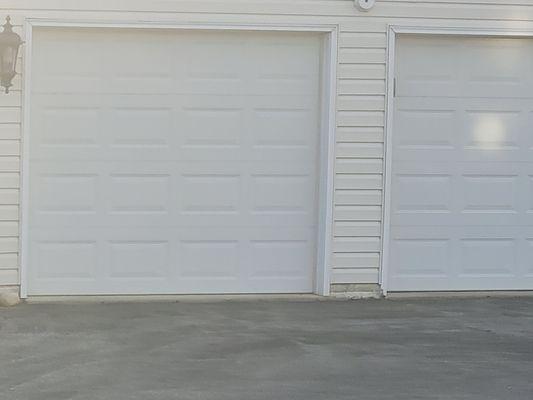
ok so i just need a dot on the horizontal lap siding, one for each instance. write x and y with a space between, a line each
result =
360 102
359 154
10 134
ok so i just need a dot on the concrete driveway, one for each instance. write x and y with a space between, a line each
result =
375 349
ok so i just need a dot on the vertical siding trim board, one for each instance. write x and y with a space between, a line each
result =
393 32
323 268
386 198
24 208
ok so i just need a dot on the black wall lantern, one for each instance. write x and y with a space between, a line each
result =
9 48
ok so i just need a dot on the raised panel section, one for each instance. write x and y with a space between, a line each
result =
489 194
281 193
425 129
288 67
211 193
139 259
436 71
141 127
283 127
135 59
65 193
67 127
421 257
491 130
200 68
139 193
65 259
488 257
212 127
68 65
422 193
488 76
279 258
210 259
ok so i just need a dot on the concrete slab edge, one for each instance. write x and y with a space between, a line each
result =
177 298
465 294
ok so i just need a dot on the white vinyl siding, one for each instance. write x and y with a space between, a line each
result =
10 131
360 102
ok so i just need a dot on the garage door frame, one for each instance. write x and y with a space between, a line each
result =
327 131
392 33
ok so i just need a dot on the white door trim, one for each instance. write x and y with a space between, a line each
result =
322 273
392 33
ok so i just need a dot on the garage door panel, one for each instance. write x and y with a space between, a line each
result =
139 129
189 260
160 61
462 193
186 163
145 259
74 65
175 128
437 74
63 194
77 127
159 194
136 62
433 257
67 128
490 75
458 258
500 132
488 257
490 193
465 67
424 131
422 194
461 189
66 259
436 129
144 195
466 283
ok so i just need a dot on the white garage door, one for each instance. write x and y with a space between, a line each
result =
173 162
462 165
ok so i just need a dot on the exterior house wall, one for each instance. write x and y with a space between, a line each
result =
361 88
